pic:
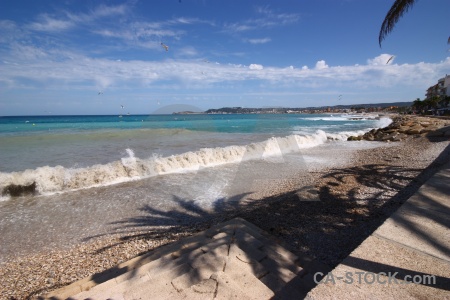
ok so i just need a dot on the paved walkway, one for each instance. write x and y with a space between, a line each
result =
413 244
237 260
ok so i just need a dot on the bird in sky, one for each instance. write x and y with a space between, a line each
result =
390 58
122 106
165 46
100 92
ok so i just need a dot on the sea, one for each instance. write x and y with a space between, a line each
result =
89 172
65 153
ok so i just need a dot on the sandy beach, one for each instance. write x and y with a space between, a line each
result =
324 213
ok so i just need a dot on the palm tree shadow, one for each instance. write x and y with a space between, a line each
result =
156 224
187 217
353 203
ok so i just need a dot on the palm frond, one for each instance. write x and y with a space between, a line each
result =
394 14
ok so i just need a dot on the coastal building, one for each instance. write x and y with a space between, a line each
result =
446 86
439 92
441 89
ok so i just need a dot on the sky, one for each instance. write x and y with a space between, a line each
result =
90 57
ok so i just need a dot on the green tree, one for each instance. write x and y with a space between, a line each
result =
418 105
397 10
433 102
430 104
444 101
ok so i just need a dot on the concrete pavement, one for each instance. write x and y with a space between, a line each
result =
412 246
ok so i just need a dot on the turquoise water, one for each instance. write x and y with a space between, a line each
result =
233 123
62 153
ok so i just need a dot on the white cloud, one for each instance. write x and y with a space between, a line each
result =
31 67
259 41
10 33
380 60
49 24
187 51
255 67
268 19
189 21
277 19
142 34
321 65
101 11
107 11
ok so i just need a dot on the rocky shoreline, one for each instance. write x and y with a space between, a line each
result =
404 126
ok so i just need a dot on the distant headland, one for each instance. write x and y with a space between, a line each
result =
358 108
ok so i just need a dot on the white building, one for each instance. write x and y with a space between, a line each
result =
446 87
441 89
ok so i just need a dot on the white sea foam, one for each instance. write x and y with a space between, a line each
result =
342 117
325 119
383 122
344 135
60 179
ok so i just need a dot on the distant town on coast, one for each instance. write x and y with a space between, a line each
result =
358 108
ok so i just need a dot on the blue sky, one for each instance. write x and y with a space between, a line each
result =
56 56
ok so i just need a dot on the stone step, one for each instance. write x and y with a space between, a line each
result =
232 259
170 261
109 289
175 249
202 268
247 285
158 287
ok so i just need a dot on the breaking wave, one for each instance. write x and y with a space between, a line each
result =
49 180
342 117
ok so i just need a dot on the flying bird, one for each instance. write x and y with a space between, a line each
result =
390 58
100 92
165 46
122 106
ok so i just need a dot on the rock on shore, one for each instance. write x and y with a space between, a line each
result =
403 126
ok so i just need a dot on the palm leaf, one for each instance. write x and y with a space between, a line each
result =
394 14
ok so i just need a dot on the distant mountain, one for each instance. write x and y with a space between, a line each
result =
177 108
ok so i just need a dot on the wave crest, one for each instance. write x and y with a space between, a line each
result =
49 180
